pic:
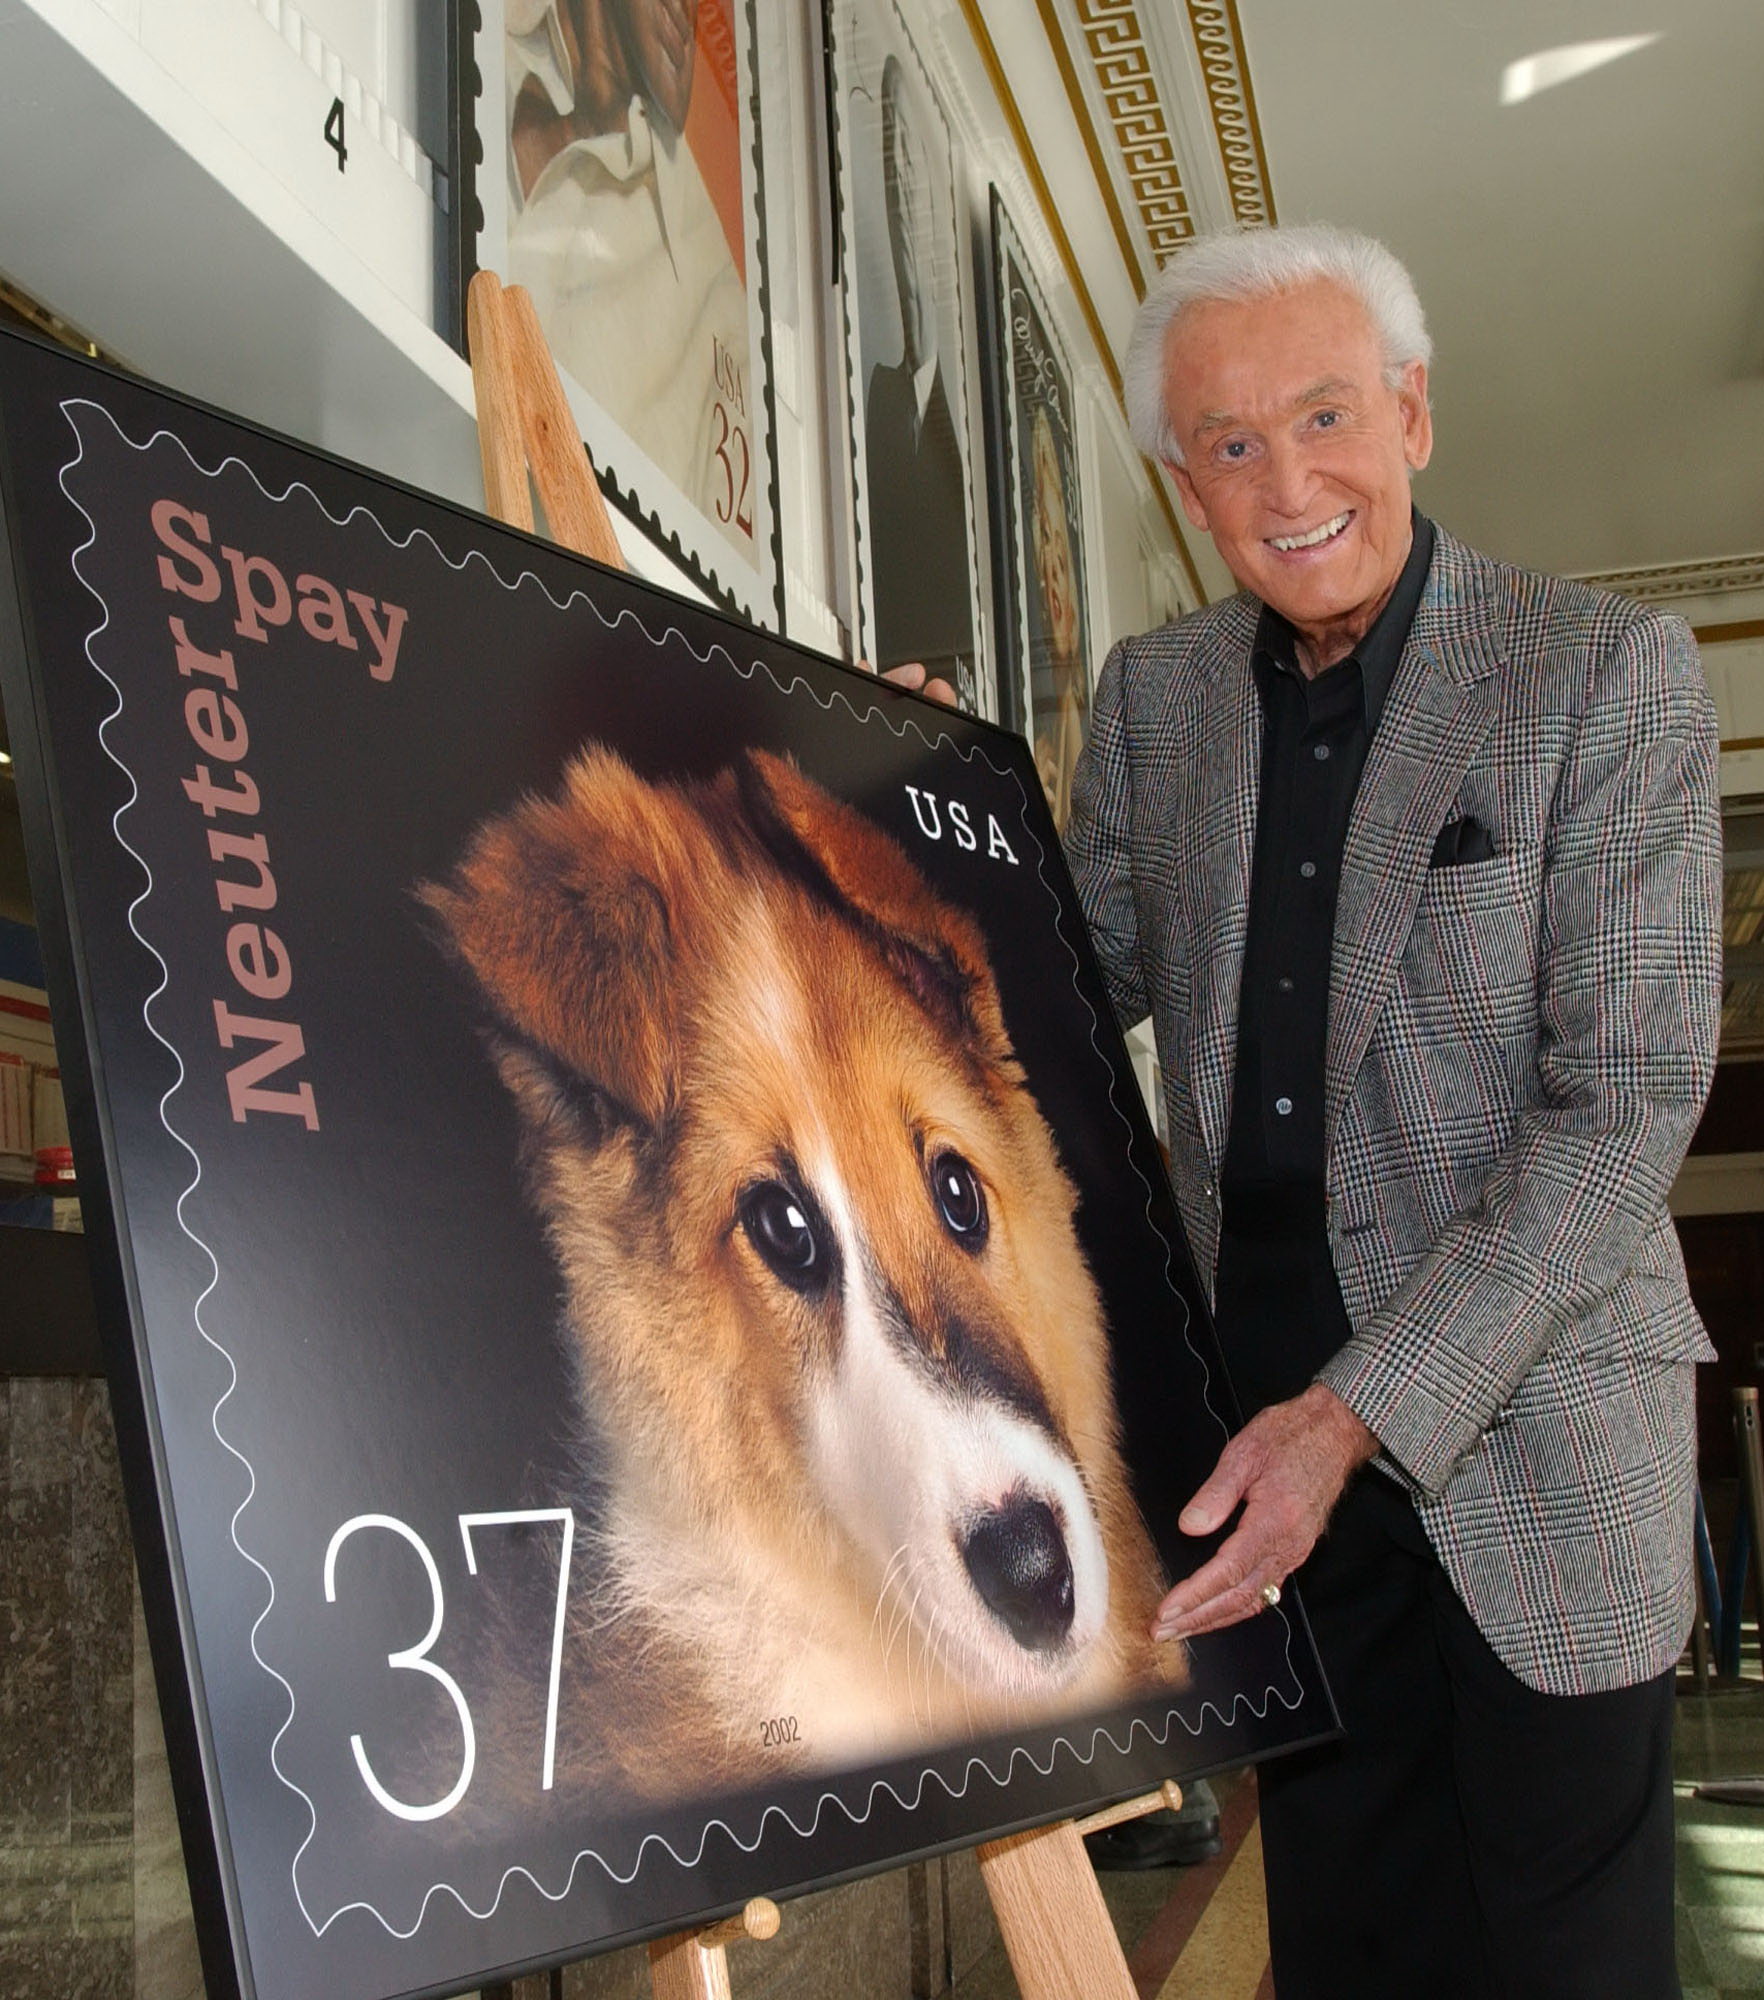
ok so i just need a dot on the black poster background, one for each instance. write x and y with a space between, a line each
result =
360 1319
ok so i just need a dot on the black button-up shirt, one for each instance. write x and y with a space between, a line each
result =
1315 738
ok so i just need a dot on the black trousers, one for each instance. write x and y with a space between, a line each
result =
1469 1837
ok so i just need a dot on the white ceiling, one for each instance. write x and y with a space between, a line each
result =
1592 261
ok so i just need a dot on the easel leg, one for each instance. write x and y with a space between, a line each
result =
524 418
693 1965
680 1968
500 443
1055 1924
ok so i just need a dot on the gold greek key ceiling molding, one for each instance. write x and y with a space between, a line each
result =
1055 32
1129 86
1685 579
987 51
1218 39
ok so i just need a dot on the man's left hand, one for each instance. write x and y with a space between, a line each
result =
913 677
1288 1467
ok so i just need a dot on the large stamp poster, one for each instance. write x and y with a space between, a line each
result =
903 232
654 1357
1048 643
621 186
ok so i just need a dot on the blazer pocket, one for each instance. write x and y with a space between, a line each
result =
1474 939
1500 882
1645 1318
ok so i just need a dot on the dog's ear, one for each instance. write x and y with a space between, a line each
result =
564 911
847 862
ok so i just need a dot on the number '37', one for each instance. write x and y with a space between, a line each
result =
415 1659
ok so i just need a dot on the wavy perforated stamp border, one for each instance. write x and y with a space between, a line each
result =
857 1802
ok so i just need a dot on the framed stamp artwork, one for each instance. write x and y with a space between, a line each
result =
620 183
1045 640
903 236
653 1355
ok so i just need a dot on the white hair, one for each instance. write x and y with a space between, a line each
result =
1251 264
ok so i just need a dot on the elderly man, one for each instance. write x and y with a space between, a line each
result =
1414 859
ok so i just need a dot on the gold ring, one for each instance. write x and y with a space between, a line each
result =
1270 1595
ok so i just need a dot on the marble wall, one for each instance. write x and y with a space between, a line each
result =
93 1901
67 1697
167 1965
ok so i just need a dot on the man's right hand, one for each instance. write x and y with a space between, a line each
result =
1288 1466
911 675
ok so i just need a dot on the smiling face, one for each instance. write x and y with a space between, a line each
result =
1298 454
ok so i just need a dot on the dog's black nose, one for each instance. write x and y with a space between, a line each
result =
1017 1558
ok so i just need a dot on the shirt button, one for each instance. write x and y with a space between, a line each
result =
1283 1106
1284 984
1321 753
1307 869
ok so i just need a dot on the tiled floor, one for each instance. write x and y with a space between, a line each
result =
1720 1848
1202 1932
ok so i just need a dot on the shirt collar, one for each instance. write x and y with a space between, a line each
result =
641 152
1379 652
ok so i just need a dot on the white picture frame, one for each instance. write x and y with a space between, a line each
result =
639 230
904 268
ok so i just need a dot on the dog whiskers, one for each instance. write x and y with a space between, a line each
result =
894 1561
950 1669
912 1628
935 1657
902 1615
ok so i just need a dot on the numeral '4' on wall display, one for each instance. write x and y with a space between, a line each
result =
334 133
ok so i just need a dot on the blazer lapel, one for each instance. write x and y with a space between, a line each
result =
1230 783
1442 704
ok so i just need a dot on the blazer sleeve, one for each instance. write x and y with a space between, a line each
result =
1629 995
1097 839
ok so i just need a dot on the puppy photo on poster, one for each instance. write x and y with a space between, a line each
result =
653 1324
837 1346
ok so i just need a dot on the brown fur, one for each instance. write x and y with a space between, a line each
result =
692 986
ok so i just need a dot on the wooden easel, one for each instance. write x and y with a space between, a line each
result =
1056 1927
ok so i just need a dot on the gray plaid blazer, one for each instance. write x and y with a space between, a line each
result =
1518 1052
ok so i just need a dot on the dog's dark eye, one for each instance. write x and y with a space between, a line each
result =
959 1199
790 1235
